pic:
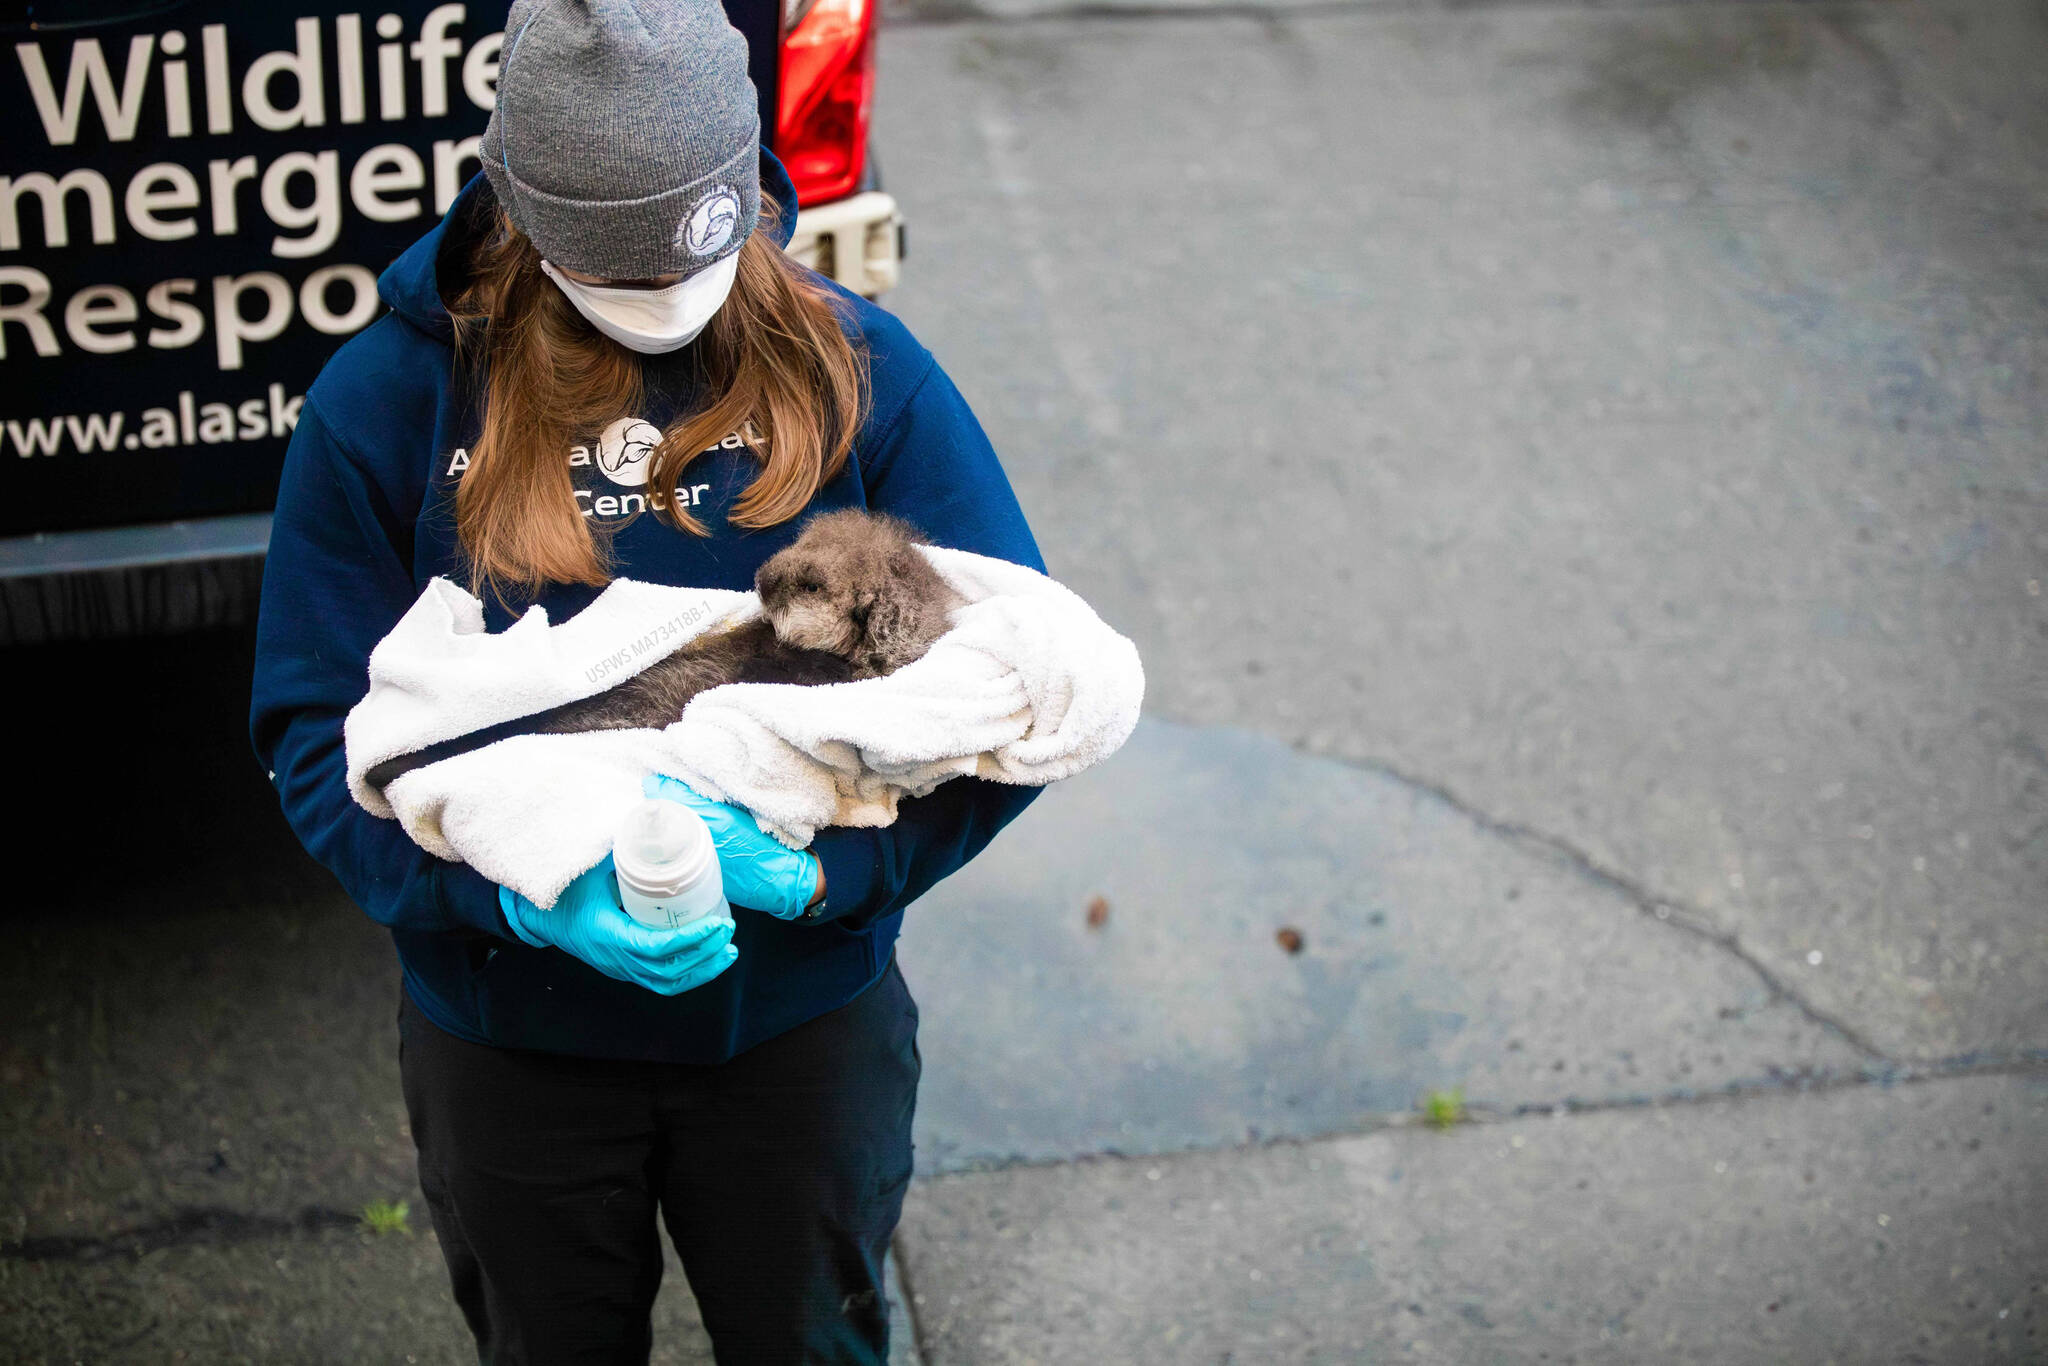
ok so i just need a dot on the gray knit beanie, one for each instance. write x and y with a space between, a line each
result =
625 138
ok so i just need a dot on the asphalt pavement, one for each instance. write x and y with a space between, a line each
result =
1576 478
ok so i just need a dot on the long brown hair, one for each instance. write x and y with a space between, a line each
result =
773 366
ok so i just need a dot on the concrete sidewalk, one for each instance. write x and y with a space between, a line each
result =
1854 1225
1166 1138
1576 477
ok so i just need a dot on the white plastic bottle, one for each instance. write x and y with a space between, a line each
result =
667 866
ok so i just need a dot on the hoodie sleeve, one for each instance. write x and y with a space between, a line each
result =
334 582
933 467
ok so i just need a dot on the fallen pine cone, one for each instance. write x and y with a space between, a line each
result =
1098 912
1290 939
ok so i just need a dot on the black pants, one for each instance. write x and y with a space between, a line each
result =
780 1175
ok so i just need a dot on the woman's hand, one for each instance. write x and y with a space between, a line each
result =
588 922
760 871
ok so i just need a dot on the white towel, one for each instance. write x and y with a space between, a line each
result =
1027 686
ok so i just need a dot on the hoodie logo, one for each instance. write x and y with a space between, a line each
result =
708 227
626 449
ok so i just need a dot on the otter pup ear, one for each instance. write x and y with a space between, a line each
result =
863 606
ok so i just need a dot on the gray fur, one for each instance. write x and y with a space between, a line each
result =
851 598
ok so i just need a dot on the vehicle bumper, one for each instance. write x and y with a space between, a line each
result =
132 580
857 241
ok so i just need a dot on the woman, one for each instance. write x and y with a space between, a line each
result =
601 364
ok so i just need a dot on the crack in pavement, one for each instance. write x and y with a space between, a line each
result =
2024 1062
1785 1082
1664 910
218 1226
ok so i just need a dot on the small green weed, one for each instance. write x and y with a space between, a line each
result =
386 1216
1442 1109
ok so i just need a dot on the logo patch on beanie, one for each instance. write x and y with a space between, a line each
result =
706 228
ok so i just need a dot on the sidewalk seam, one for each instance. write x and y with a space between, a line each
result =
218 1226
2027 1063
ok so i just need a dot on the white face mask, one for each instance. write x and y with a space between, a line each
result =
651 321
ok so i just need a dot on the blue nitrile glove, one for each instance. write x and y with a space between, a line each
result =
760 871
588 922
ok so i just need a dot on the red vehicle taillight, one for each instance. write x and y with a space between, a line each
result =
826 82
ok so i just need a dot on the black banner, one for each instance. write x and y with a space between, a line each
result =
195 202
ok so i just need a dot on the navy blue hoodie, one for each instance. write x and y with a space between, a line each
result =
365 518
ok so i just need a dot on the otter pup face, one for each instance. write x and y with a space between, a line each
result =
820 592
809 605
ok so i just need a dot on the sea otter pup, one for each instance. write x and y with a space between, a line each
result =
850 598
